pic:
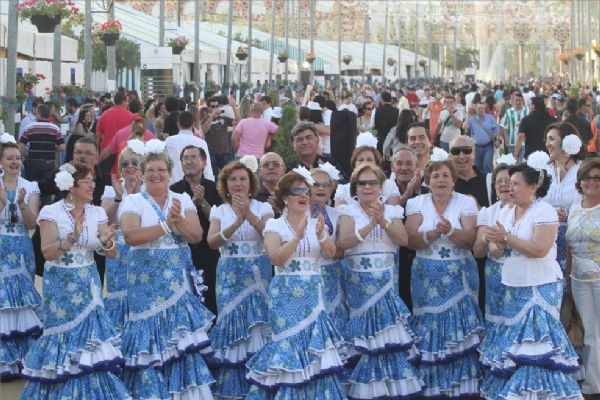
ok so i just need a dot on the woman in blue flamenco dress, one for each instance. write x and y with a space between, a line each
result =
19 300
166 333
378 327
130 182
332 268
78 352
531 356
488 216
243 276
301 360
441 227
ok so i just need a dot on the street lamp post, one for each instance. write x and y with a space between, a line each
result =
385 34
11 65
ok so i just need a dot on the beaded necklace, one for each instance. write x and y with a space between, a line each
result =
303 247
83 239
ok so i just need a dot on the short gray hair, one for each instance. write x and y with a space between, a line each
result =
467 138
303 126
404 148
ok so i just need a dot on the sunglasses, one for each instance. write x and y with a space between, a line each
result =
371 182
455 151
127 163
297 191
14 217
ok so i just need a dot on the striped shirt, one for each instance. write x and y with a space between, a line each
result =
43 137
511 121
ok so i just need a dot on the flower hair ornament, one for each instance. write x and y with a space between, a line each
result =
7 138
330 170
155 146
506 159
366 139
137 146
538 161
250 162
305 174
571 144
438 154
64 178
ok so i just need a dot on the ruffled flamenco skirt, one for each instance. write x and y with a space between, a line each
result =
78 354
382 342
529 355
20 324
242 327
301 361
449 324
334 294
115 301
166 334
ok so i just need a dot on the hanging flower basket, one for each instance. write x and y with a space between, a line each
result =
178 44
579 54
422 63
241 56
391 62
310 57
282 59
44 23
347 59
110 39
177 49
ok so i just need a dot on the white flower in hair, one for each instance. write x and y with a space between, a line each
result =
7 138
366 139
438 154
155 146
571 144
330 170
70 168
538 160
64 180
250 162
506 159
305 174
137 146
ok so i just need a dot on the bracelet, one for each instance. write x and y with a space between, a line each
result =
117 200
165 227
450 232
112 246
204 203
324 237
388 222
425 238
357 234
505 239
223 236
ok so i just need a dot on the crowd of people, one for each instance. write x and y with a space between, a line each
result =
432 241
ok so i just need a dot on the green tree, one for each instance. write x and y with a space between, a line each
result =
467 58
128 55
284 145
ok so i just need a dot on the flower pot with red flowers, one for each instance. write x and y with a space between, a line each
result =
241 53
178 44
579 54
109 32
283 56
310 57
347 58
46 14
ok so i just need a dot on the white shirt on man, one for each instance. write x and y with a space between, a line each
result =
176 143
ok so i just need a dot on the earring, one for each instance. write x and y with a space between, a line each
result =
380 198
355 198
69 203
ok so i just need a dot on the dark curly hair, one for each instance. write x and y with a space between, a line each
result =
531 177
282 189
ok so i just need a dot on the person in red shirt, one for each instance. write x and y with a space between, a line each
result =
412 98
137 130
113 119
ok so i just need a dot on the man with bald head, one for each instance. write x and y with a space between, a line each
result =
271 168
470 181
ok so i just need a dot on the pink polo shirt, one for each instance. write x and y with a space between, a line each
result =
253 136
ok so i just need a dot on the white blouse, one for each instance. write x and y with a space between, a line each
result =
519 270
110 194
563 193
377 240
30 188
246 232
93 216
138 205
389 190
307 249
460 205
488 216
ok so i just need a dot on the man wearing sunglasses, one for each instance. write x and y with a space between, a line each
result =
471 180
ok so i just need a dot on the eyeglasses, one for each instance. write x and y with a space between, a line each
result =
271 164
322 185
127 163
297 191
370 182
14 217
587 178
89 182
84 153
455 151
